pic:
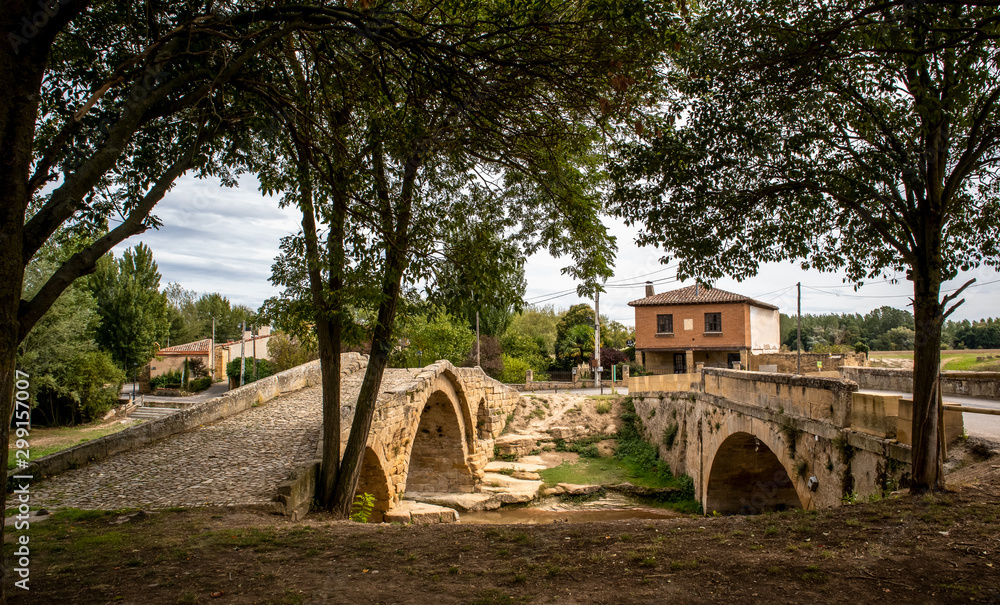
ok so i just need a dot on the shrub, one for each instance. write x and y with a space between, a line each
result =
199 384
514 370
264 369
171 379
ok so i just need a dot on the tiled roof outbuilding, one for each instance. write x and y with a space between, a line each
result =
693 295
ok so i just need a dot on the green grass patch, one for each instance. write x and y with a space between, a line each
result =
968 363
66 436
636 461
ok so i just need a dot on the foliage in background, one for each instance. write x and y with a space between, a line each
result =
491 358
882 329
538 324
68 371
264 369
288 351
433 336
132 310
576 346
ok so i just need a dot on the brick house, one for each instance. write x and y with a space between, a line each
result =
676 330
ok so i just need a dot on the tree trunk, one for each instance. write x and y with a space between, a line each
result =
926 454
20 79
327 336
397 229
364 411
331 400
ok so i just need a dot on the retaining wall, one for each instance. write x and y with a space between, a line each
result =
982 385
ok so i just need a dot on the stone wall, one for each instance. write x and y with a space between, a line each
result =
232 402
665 383
787 362
822 399
982 385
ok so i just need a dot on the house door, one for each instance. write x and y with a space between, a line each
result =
680 363
732 358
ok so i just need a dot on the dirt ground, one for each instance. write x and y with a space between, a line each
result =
913 549
538 412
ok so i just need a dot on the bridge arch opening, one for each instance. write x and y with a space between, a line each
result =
747 478
373 480
438 458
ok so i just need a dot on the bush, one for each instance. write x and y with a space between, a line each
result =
860 347
171 379
514 370
288 352
264 369
199 384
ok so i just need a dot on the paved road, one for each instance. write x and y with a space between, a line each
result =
976 425
215 390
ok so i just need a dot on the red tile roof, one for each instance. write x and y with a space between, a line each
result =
687 296
198 346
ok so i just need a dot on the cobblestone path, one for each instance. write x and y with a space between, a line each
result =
234 461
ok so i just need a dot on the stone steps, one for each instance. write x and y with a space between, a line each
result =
151 413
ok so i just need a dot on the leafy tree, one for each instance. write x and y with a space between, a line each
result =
288 351
263 369
133 312
577 346
861 137
615 334
480 272
538 324
181 314
434 337
67 369
398 154
571 346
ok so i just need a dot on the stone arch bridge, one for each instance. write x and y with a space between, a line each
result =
433 430
758 441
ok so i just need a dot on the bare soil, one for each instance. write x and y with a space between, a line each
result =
939 548
539 412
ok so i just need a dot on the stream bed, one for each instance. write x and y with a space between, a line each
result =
609 507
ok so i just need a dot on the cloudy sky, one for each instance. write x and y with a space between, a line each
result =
216 239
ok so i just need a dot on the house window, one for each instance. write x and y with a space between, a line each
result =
664 324
713 322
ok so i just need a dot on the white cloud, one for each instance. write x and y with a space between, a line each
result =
217 239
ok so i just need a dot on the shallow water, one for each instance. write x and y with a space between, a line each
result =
612 507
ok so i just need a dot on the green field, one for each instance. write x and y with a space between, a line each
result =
964 361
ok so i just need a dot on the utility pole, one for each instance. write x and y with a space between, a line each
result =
212 361
597 340
798 337
477 339
253 338
243 344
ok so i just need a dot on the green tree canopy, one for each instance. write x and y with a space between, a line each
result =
133 312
